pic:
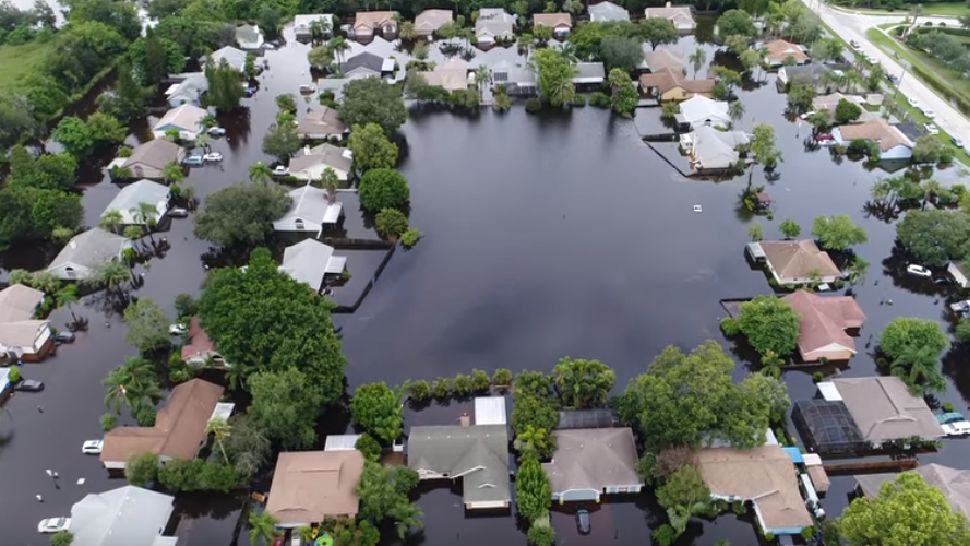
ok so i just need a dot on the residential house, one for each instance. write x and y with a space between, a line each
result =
518 80
452 75
893 144
831 101
588 418
607 12
186 119
589 75
795 262
429 21
86 252
699 111
591 461
823 325
883 409
309 261
303 24
680 16
249 37
310 487
200 351
369 23
334 86
779 52
148 160
663 58
560 23
234 57
959 271
179 429
126 516
822 77
364 65
478 455
322 123
493 25
669 84
129 200
187 91
954 483
315 161
764 476
21 335
310 212
712 150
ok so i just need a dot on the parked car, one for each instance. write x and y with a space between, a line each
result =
177 329
825 139
961 308
929 113
954 424
178 212
212 157
194 160
64 337
931 128
853 44
918 270
216 131
308 89
92 447
582 521
892 78
958 142
280 170
53 525
30 385
913 102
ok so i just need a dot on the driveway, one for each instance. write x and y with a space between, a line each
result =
853 26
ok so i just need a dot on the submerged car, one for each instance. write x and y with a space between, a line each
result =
212 157
92 447
177 329
918 270
931 128
30 385
194 160
53 525
954 424
216 131
64 337
280 170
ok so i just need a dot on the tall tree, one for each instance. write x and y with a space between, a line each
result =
241 214
379 410
838 232
285 406
770 325
371 148
134 385
370 100
225 86
658 31
147 326
533 494
555 77
583 383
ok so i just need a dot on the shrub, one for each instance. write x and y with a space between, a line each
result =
198 475
463 385
818 377
391 223
142 470
730 327
369 447
419 391
383 189
108 421
15 375
410 237
502 376
441 388
480 381
579 101
948 407
599 100
665 535
62 538
532 105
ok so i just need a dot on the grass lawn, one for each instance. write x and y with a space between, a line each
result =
943 9
17 62
943 78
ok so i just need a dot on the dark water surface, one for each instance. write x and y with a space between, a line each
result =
544 236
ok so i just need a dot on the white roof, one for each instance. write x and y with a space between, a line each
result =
187 117
699 108
132 195
829 391
811 459
306 19
607 11
126 516
222 411
91 248
308 260
714 149
233 55
489 410
311 205
341 442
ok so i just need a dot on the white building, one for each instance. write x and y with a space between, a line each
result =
310 212
85 252
186 119
129 200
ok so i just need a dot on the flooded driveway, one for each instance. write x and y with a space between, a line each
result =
544 236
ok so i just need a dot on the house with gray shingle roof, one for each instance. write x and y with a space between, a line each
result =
129 200
607 12
249 37
235 57
148 160
20 333
87 251
310 212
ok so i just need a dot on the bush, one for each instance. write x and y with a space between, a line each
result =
579 101
541 533
391 223
502 376
62 538
463 385
481 382
665 535
419 391
818 377
108 421
383 189
198 475
846 111
533 105
948 407
369 447
410 237
142 470
730 327
15 375
599 100
441 388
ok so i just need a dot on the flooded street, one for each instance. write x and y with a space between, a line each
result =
543 236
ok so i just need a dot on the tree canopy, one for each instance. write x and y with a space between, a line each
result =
371 148
556 73
370 100
378 409
533 494
147 325
657 31
621 52
838 232
383 189
286 404
736 23
241 214
583 383
383 492
770 325
913 347
263 320
935 236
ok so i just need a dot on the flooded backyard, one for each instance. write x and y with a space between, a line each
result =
543 236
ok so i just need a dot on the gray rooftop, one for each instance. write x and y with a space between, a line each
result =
607 11
587 71
155 153
91 248
126 516
954 483
479 454
884 409
323 154
132 195
232 55
363 60
308 260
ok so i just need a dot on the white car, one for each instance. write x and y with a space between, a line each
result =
280 170
931 128
958 428
92 447
177 329
913 102
213 157
918 270
216 131
178 212
53 525
928 113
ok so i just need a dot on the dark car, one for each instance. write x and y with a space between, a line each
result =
30 385
582 521
64 337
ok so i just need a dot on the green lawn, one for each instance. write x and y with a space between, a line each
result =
944 79
16 62
944 9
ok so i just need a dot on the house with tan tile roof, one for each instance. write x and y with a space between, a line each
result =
893 144
778 52
20 334
680 16
668 84
451 75
369 23
560 23
663 57
312 486
824 323
795 262
429 21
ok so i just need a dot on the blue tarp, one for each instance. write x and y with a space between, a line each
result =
795 454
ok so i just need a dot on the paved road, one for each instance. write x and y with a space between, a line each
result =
853 26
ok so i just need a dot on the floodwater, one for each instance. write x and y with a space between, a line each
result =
543 236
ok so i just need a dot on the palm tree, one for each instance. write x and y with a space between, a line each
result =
407 31
736 110
148 215
112 275
532 439
172 173
338 44
931 188
330 182
133 384
46 282
406 515
262 528
260 172
916 366
67 295
110 221
698 58
220 430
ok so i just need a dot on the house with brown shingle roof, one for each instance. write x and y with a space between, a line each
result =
148 160
369 23
560 23
451 75
893 144
883 409
668 84
680 16
321 123
20 334
312 486
795 262
429 21
179 429
823 325
778 52
589 462
200 350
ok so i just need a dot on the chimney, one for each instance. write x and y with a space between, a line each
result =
668 4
